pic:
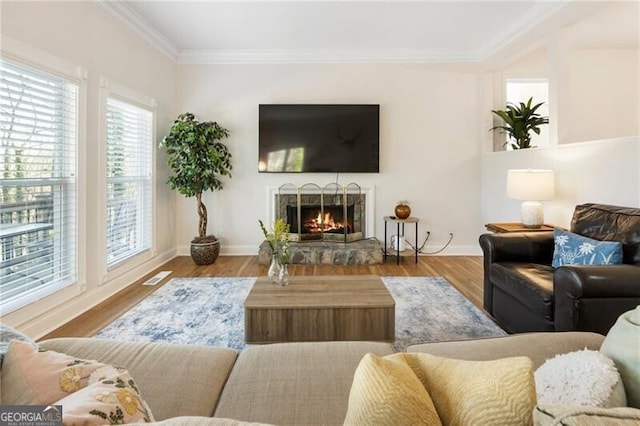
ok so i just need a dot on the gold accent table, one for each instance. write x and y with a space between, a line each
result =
320 308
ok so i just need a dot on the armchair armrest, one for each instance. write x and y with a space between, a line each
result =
534 247
590 296
592 281
527 247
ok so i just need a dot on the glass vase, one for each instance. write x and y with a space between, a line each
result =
283 275
274 269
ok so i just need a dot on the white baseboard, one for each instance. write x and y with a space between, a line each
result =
225 250
452 250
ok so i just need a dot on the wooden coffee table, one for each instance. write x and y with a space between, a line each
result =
317 308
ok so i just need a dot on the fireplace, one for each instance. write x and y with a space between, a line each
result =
329 246
332 213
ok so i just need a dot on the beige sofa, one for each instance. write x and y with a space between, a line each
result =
289 383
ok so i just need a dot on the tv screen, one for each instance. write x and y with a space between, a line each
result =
318 138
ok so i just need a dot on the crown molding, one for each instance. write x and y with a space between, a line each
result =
140 26
516 28
535 16
320 56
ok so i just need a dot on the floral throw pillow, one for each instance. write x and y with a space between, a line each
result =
90 392
112 400
30 376
574 249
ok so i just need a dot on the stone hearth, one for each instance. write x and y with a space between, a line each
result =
363 252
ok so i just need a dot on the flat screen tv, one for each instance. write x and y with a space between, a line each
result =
318 138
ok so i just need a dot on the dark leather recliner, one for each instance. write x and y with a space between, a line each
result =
524 293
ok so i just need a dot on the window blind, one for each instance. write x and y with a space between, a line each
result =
129 193
38 139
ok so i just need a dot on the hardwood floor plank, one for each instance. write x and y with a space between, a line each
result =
463 272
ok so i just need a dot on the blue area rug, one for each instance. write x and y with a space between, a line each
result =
209 311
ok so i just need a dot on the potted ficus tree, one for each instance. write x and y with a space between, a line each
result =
198 160
519 121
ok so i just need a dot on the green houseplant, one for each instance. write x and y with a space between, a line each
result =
198 160
519 121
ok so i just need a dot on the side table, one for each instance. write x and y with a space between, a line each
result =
400 232
515 227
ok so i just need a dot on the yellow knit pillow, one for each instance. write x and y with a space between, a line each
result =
386 392
498 392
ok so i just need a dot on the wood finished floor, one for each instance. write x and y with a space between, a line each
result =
463 272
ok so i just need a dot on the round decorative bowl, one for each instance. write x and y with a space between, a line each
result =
402 211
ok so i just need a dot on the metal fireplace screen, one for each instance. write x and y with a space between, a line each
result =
330 213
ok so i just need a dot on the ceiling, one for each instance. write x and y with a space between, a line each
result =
332 31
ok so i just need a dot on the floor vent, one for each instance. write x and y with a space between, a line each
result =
157 278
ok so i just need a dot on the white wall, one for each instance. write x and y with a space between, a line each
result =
604 171
604 88
429 150
81 33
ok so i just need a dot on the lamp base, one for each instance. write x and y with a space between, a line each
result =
531 214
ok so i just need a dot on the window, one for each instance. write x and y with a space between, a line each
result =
129 137
520 90
38 141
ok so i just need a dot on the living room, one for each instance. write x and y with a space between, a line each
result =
435 73
436 149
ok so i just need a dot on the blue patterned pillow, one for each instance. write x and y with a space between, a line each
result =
574 249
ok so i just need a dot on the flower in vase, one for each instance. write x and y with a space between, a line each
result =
278 239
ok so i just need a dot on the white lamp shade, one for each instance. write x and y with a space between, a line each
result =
530 184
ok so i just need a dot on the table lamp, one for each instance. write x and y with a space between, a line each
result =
531 186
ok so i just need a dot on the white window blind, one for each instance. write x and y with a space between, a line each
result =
129 194
38 139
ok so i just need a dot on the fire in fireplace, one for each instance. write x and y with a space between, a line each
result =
315 220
